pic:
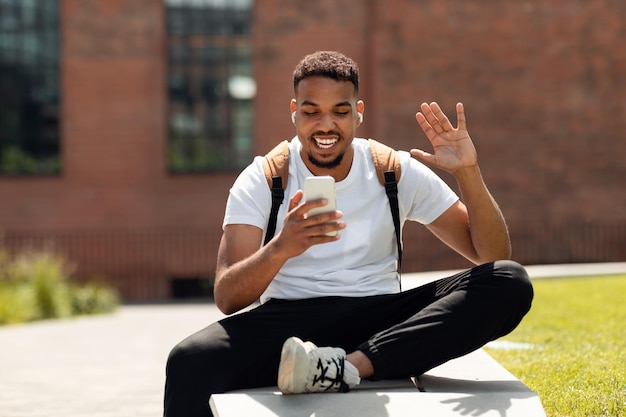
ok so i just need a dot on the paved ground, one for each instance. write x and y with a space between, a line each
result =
106 366
113 365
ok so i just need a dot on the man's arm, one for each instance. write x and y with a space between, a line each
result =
475 227
245 269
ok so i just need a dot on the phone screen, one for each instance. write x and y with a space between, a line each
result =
321 187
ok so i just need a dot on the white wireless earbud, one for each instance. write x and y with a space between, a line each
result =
293 117
360 115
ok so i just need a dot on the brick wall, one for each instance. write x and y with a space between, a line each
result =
543 89
115 211
542 83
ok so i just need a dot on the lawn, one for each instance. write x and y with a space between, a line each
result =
571 347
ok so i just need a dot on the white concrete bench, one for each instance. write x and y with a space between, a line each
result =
474 385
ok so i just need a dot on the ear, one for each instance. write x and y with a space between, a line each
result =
292 108
360 107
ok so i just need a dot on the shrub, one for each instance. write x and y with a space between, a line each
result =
36 285
93 298
17 303
47 274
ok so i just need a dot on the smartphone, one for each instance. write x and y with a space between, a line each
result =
321 187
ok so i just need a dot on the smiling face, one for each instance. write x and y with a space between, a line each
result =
326 121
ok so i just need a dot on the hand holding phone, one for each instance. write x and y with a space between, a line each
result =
316 188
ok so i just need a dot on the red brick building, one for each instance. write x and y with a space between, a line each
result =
542 82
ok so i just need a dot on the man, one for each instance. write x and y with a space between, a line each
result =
342 292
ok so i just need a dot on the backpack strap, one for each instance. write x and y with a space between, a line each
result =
385 159
387 163
276 170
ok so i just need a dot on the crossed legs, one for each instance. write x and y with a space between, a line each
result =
387 336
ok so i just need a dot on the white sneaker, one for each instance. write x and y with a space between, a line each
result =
306 368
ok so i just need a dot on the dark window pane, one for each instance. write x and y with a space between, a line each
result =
29 87
210 84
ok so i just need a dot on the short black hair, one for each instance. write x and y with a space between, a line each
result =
329 64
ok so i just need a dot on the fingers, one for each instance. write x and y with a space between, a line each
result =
438 118
314 229
423 156
324 232
435 117
460 117
324 224
301 210
320 228
426 126
433 120
295 200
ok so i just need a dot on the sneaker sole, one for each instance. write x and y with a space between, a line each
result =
293 368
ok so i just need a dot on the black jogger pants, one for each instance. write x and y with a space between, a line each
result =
402 334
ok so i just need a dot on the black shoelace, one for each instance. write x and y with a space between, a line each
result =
337 381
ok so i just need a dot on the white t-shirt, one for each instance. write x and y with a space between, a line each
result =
364 260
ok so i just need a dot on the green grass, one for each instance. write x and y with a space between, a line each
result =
577 362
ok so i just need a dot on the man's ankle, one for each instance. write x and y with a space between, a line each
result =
362 363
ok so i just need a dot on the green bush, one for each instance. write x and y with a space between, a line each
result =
36 285
46 273
92 298
17 303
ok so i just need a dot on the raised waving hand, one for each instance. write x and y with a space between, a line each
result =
452 147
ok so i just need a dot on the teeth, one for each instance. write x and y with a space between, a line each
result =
325 143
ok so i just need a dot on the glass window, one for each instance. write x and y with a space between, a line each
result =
210 84
29 87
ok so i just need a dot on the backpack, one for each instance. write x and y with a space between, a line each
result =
386 161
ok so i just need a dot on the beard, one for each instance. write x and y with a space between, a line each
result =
326 164
333 163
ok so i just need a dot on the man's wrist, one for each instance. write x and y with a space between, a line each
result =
467 173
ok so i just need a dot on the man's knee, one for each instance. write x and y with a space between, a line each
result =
186 388
514 284
177 361
512 271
